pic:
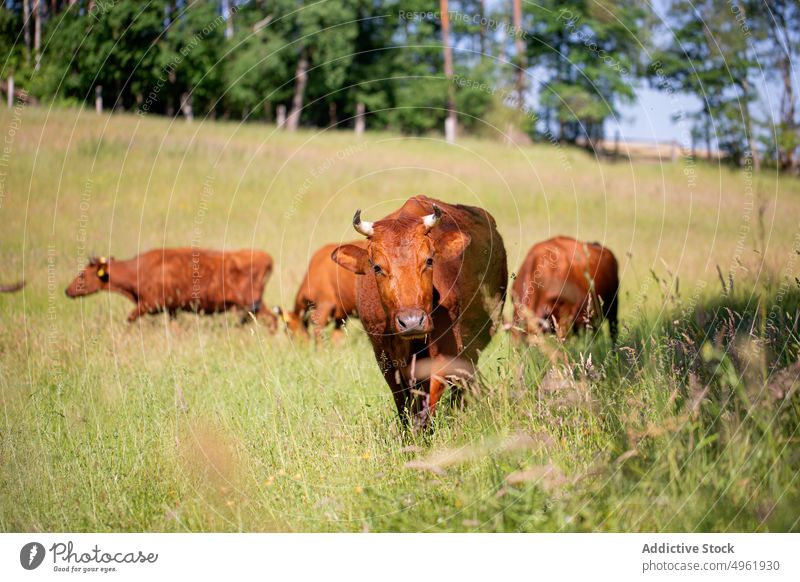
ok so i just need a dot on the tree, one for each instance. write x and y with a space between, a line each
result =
711 55
780 52
37 33
450 121
590 53
519 45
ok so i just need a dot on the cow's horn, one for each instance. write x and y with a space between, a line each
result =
362 226
431 220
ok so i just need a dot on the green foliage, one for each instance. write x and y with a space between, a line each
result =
591 53
10 46
386 55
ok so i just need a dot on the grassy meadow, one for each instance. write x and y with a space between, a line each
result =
689 424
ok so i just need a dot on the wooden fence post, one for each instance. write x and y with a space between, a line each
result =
98 99
360 122
10 91
186 107
281 113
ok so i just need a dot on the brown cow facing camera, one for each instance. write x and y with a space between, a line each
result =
564 285
431 286
182 279
327 293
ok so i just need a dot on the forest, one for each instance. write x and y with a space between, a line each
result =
550 71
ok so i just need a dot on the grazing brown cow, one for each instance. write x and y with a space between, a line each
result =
328 292
564 285
433 285
184 279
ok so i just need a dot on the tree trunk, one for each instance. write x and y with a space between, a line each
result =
333 114
227 14
450 122
301 79
37 33
186 107
787 113
748 125
519 45
483 28
26 17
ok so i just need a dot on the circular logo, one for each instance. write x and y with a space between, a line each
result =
31 555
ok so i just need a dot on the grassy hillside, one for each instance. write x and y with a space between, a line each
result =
202 425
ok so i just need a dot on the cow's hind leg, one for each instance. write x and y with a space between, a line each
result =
613 324
320 318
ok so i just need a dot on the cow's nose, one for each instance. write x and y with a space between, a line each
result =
411 321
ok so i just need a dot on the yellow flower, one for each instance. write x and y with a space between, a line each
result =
459 504
365 456
359 489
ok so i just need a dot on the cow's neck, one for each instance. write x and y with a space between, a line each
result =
123 279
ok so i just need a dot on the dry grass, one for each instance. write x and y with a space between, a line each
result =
203 425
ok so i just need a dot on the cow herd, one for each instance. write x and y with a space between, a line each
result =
428 283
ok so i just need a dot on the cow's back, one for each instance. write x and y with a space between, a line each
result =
566 268
206 280
326 283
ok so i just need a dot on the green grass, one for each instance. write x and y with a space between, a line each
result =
690 424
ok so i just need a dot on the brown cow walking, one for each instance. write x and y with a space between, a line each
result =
183 279
433 285
328 292
565 285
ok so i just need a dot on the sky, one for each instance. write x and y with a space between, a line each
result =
650 118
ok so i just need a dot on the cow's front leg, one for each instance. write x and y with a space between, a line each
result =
137 312
400 393
437 387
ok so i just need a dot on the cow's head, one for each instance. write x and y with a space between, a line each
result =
92 278
401 255
292 323
557 308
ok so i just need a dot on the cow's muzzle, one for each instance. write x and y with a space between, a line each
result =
411 323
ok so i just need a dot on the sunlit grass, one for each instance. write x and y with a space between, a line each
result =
203 425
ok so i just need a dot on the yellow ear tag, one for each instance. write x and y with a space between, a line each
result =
101 272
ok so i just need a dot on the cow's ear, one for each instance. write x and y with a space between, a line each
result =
352 258
451 245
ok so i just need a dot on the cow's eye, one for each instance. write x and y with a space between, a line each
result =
377 269
429 262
